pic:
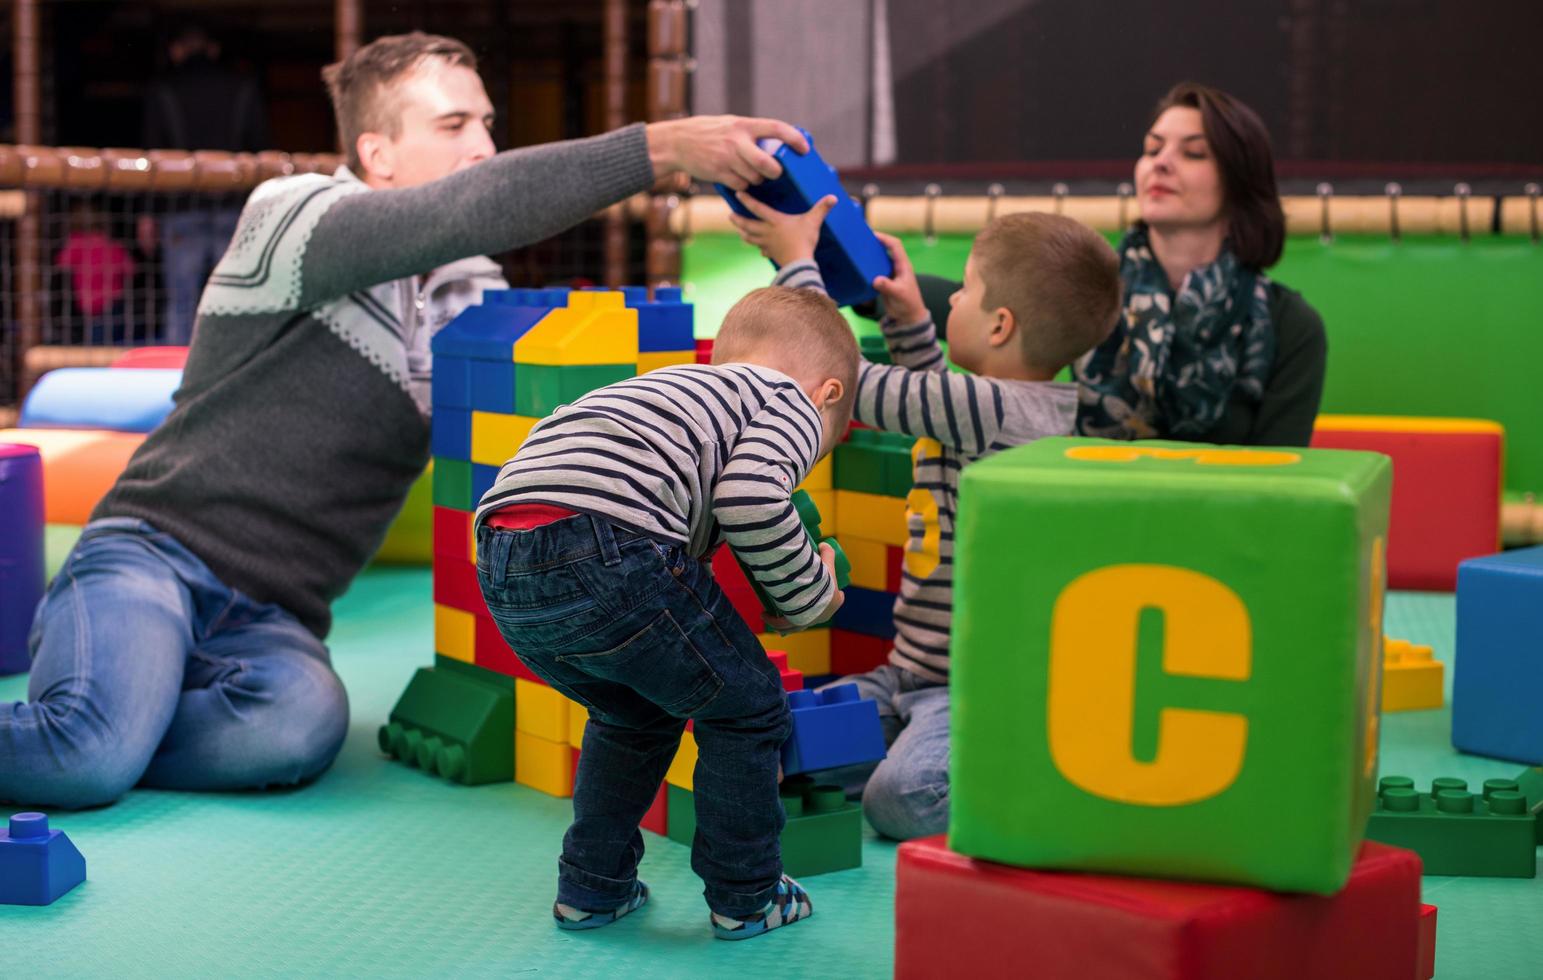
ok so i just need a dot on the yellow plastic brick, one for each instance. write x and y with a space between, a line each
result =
1405 423
543 764
871 517
578 717
808 651
1412 678
594 328
495 437
869 562
540 710
454 630
822 477
684 766
650 360
825 502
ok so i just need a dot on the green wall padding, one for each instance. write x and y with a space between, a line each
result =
1426 326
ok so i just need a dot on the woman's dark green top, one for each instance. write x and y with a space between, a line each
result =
1285 416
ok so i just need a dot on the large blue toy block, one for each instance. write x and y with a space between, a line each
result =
547 297
451 438
487 332
849 255
665 323
833 727
492 385
482 480
37 865
867 611
1499 666
451 387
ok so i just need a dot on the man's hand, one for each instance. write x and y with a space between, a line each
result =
783 238
721 149
782 627
902 295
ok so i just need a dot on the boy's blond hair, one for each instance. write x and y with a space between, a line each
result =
1060 279
799 331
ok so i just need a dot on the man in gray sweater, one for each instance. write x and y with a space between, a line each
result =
181 644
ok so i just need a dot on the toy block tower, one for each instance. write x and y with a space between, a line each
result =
1499 669
1166 660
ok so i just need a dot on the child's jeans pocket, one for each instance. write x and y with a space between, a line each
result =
659 662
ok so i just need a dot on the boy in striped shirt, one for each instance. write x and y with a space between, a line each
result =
1039 291
593 553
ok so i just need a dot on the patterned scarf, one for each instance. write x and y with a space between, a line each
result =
1173 361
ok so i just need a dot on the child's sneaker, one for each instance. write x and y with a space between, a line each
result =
788 905
569 917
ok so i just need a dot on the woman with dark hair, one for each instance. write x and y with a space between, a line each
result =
1208 348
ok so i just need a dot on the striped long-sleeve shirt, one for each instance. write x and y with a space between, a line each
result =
957 419
694 455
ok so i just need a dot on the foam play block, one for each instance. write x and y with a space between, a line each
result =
808 651
654 360
492 386
871 517
451 437
482 479
792 680
140 358
821 477
956 916
1446 489
100 398
594 328
451 387
452 484
1136 684
665 321
37 865
1456 832
848 254
455 632
856 653
578 717
683 768
494 438
657 819
1498 673
455 721
493 653
704 351
543 388
79 467
453 533
872 461
21 551
543 764
455 585
541 710
867 611
1427 948
869 562
832 727
1411 677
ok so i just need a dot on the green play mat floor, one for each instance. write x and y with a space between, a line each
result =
378 870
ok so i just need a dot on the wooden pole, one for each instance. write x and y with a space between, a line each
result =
25 57
668 64
615 42
349 20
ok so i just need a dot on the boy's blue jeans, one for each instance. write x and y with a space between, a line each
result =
641 635
148 669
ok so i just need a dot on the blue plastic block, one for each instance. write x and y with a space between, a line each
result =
867 611
664 323
544 297
849 256
451 387
487 332
124 399
1497 707
482 480
451 437
37 865
833 727
492 386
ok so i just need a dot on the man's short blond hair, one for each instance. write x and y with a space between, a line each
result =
363 86
796 330
1060 279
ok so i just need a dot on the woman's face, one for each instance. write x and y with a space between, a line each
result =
1177 181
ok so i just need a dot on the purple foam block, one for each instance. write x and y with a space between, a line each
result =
21 551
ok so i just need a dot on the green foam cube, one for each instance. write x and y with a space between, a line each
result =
539 389
1166 659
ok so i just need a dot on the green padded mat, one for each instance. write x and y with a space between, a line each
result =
381 871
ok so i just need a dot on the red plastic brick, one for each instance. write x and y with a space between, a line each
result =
856 653
1427 967
704 351
955 916
492 652
656 817
894 562
455 585
452 533
731 579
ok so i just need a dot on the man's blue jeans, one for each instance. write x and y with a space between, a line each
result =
641 635
192 244
147 669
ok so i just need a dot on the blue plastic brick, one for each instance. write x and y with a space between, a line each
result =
37 865
482 480
1497 682
451 437
867 611
665 323
451 387
487 332
492 386
547 297
849 255
833 727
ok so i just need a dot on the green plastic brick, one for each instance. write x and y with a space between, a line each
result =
504 682
452 484
809 516
871 461
824 831
1530 782
1164 660
453 723
873 348
1491 834
540 388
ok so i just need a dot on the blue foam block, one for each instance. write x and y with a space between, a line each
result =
547 297
831 728
487 332
482 480
1497 680
451 387
124 399
37 865
451 438
492 386
849 255
866 611
665 323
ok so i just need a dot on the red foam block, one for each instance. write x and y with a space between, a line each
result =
1446 496
1427 943
654 819
731 579
856 653
455 585
452 533
704 351
490 650
956 916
